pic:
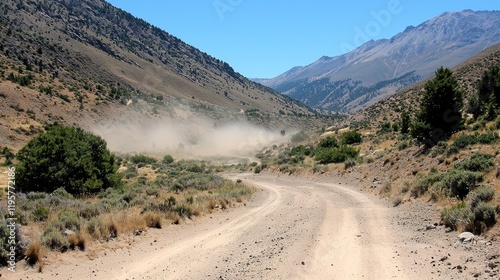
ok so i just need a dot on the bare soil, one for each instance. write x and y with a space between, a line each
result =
292 229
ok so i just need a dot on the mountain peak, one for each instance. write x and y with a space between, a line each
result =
377 68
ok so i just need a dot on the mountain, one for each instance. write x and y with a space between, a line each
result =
468 74
82 62
377 69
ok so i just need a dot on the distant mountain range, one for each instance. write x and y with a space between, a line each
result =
377 69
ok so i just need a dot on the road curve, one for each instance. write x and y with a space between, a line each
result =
292 229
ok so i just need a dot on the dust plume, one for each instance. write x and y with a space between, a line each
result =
188 138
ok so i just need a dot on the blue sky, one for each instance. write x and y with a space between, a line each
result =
262 39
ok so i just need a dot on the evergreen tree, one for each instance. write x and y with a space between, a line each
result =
440 109
405 123
489 92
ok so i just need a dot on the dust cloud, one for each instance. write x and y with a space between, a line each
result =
188 138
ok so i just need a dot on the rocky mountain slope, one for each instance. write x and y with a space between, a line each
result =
377 69
83 61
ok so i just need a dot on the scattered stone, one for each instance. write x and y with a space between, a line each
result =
137 232
69 232
466 236
443 258
429 227
303 263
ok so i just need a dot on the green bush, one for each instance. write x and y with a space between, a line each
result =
40 214
5 249
69 158
482 194
137 159
459 183
458 217
328 142
336 155
477 162
351 137
485 212
168 159
257 169
463 141
55 240
422 185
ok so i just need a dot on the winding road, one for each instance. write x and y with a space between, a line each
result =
292 229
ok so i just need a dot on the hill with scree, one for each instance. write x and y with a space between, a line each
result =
82 62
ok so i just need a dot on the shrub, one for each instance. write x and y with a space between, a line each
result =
40 214
153 220
485 212
137 159
168 159
257 169
477 162
351 137
20 245
183 211
55 240
97 228
69 158
336 155
482 194
350 163
34 253
459 183
422 185
458 217
328 142
89 211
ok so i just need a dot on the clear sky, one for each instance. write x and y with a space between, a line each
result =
264 38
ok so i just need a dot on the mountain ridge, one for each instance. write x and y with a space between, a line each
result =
445 40
79 62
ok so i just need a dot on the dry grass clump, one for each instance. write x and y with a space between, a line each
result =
34 253
77 240
153 220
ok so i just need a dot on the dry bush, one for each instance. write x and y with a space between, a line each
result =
34 253
153 220
130 222
77 241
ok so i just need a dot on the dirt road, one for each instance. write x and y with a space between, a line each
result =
292 229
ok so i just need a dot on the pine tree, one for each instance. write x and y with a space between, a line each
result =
440 109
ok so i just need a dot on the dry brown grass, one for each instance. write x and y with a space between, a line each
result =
153 220
34 253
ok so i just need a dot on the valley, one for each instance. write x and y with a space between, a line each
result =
139 156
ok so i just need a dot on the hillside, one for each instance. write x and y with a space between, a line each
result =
377 69
87 62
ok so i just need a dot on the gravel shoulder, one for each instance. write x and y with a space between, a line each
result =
292 229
